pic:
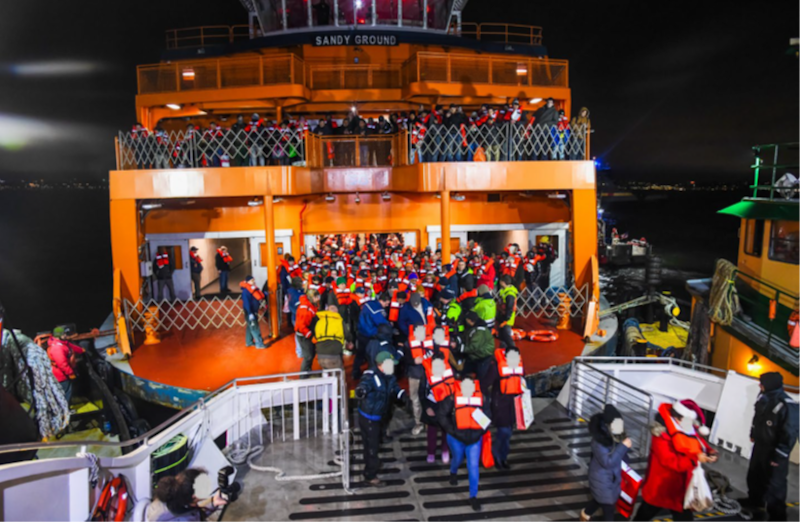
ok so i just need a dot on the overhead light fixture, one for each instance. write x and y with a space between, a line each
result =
522 69
358 199
458 197
359 4
277 199
353 108
255 202
189 202
535 100
386 196
753 365
174 106
330 198
557 195
526 194
202 113
437 196
188 74
151 206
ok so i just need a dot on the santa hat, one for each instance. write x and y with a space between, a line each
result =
689 408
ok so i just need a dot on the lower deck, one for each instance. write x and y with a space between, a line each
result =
547 479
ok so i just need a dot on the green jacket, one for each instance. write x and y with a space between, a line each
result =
509 296
480 343
486 309
452 317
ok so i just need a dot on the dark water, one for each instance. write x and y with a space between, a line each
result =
56 255
56 258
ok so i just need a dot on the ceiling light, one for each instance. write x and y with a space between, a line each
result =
188 74
458 197
255 202
557 195
437 196
386 196
358 199
330 198
174 106
150 206
522 69
535 100
359 4
277 199
526 194
353 108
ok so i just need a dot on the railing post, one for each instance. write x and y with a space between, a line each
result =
491 76
219 75
261 70
449 72
291 70
177 78
587 152
358 152
425 14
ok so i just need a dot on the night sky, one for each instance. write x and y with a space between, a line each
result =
677 90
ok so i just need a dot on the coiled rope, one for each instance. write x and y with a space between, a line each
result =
724 300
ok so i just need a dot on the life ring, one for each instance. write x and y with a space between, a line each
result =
543 336
113 501
518 334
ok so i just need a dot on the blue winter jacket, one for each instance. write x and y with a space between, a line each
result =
372 315
250 303
605 468
379 391
410 317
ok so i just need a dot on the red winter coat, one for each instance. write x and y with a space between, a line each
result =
62 355
487 275
669 471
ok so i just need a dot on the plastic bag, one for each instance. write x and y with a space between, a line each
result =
698 493
487 458
523 409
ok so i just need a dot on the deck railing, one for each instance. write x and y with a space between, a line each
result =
248 71
782 170
381 150
503 33
207 35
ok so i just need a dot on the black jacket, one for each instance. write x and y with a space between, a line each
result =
775 423
221 265
545 115
504 413
378 391
446 418
163 273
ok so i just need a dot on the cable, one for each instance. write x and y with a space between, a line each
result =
248 454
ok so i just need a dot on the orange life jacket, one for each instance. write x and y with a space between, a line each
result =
465 406
441 387
794 330
226 257
343 296
162 260
510 378
467 295
420 347
253 289
394 308
429 288
687 444
195 256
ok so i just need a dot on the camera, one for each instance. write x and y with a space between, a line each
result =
228 490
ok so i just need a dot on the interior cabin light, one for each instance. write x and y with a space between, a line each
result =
330 198
255 202
151 206
535 100
353 108
277 199
386 196
359 4
557 195
188 74
458 197
753 365
174 106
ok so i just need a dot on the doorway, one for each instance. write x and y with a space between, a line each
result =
240 250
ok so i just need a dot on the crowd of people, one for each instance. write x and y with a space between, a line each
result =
502 133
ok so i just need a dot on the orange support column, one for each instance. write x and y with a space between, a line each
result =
445 220
125 245
584 234
272 265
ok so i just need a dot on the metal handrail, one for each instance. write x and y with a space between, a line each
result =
144 438
532 32
774 166
229 33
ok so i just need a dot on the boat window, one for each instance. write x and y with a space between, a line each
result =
783 242
753 237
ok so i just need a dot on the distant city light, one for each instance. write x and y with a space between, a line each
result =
55 68
174 106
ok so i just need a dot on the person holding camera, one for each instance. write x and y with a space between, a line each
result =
376 391
609 447
184 497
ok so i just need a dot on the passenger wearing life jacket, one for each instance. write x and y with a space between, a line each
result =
464 416
251 301
399 299
452 315
303 327
419 347
373 314
162 268
439 383
529 266
466 285
196 269
478 349
508 311
507 383
429 287
547 255
485 306
486 273
63 359
416 311
223 262
329 334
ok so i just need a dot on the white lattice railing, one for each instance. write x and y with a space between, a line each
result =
182 315
548 303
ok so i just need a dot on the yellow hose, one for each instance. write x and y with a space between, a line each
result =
724 300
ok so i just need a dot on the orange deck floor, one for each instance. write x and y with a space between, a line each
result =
207 359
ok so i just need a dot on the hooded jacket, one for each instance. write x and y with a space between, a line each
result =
382 342
372 315
578 123
775 424
605 468
480 342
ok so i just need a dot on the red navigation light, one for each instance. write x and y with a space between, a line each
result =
362 21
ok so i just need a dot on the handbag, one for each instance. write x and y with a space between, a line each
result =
698 494
631 482
523 409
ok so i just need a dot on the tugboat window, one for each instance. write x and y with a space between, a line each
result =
784 244
753 237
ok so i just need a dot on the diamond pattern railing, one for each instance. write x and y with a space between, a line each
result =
223 148
225 312
499 142
547 303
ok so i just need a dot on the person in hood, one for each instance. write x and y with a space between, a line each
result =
774 434
64 358
479 350
675 451
382 342
580 127
177 497
544 119
609 447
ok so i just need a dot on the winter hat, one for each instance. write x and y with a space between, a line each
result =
341 281
472 316
297 283
771 381
447 294
696 415
248 278
610 413
361 290
483 289
415 300
58 331
382 357
402 295
193 249
413 276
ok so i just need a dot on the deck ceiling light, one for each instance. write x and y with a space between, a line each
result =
535 100
386 196
522 69
458 197
557 195
151 206
753 365
353 108
174 106
526 194
277 199
330 198
255 202
358 199
188 74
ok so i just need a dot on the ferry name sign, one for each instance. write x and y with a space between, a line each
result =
385 40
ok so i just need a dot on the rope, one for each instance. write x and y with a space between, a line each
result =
248 455
724 300
94 468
